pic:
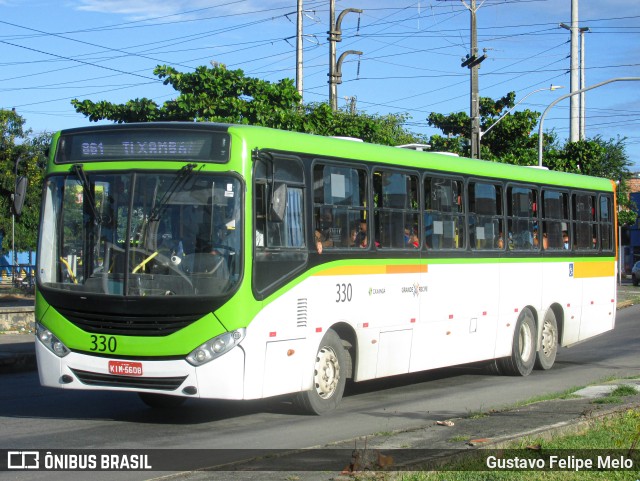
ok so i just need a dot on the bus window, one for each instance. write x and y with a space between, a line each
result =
522 215
443 213
280 247
395 198
339 207
584 220
606 224
485 216
555 220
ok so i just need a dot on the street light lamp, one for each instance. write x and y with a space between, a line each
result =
551 88
571 94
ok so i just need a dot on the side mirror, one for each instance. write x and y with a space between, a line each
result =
278 203
19 194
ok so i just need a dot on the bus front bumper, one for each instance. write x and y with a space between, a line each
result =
222 378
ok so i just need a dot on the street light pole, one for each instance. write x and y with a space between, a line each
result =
335 35
551 88
540 139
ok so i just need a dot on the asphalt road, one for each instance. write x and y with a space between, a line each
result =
35 417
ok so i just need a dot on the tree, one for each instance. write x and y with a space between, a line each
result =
507 141
207 94
16 144
221 95
600 158
319 119
513 141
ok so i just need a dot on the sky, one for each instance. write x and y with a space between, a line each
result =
55 51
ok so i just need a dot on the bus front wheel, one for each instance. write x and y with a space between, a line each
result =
329 372
546 356
523 351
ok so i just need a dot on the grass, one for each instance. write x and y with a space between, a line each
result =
620 431
615 396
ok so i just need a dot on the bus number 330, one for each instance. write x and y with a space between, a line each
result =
343 292
103 343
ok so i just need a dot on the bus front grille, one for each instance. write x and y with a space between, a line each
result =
110 380
100 323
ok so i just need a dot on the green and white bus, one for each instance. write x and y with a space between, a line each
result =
186 260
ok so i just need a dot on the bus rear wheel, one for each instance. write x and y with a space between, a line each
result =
161 401
328 377
546 356
523 350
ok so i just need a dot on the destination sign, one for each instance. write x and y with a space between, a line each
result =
143 144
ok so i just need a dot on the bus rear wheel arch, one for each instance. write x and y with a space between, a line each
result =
523 349
329 377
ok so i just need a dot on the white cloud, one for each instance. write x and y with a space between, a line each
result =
147 9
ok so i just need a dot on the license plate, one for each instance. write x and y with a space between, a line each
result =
125 368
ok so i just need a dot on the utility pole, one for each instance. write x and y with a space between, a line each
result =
299 50
577 119
335 35
583 118
472 62
575 84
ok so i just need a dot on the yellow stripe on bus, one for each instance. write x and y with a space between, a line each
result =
367 270
582 270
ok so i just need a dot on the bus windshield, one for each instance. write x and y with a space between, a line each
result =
141 234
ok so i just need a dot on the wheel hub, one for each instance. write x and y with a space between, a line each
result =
548 338
327 372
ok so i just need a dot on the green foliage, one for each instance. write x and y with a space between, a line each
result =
319 119
514 140
16 143
207 94
507 141
600 158
221 95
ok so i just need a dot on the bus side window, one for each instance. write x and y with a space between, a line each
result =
443 213
606 224
339 203
555 219
584 220
486 230
280 247
396 209
522 215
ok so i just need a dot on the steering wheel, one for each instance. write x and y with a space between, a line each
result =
164 261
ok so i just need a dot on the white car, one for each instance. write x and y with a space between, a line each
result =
635 273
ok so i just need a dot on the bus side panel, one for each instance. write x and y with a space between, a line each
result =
520 286
458 315
276 347
599 297
560 287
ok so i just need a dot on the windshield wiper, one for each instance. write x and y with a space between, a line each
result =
86 188
178 181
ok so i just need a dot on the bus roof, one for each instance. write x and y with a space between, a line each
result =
261 137
295 142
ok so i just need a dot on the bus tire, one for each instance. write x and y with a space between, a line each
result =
492 367
523 350
546 355
329 376
161 401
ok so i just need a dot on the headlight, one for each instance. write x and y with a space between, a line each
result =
215 347
51 342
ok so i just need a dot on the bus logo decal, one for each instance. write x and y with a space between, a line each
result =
571 269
